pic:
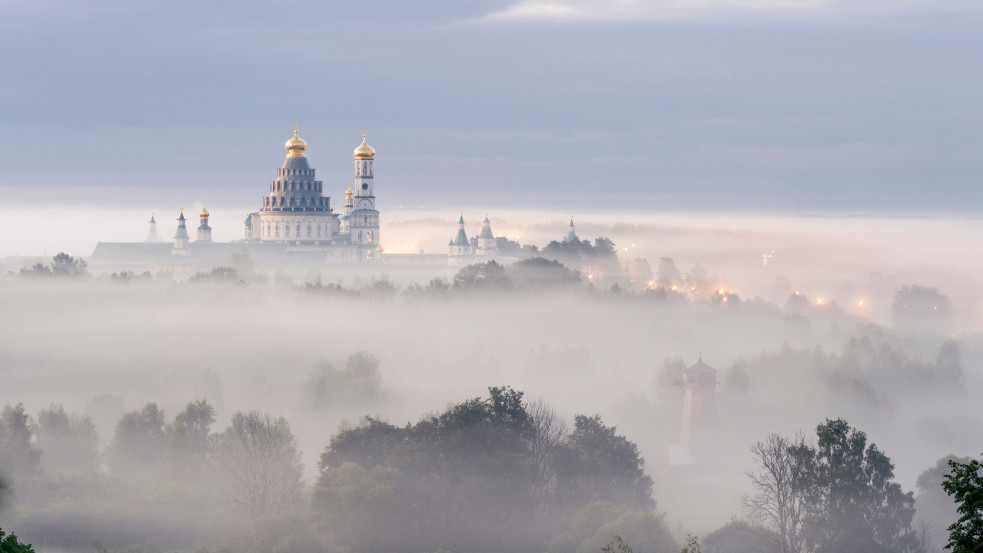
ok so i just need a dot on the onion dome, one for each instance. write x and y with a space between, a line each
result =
348 194
204 212
249 221
296 146
364 151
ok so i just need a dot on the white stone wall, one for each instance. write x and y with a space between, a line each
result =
276 226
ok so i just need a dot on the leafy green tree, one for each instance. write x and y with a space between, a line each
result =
189 438
852 501
66 265
965 484
935 509
358 383
18 456
487 474
140 441
10 544
603 466
482 276
539 272
69 443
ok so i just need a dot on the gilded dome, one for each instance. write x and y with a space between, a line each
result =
348 194
296 146
203 212
364 151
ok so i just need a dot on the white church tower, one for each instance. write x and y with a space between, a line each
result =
363 223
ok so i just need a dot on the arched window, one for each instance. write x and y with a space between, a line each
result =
308 231
370 237
286 231
278 230
319 231
359 241
298 231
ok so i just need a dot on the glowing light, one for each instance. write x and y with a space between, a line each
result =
721 291
819 301
860 302
674 287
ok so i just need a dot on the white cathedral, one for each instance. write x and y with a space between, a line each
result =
296 212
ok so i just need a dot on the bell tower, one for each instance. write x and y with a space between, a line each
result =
364 219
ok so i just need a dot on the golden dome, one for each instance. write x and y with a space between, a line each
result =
348 194
296 146
364 151
203 212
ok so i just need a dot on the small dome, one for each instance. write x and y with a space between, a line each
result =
364 151
203 212
296 145
348 194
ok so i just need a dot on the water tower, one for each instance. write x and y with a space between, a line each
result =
699 409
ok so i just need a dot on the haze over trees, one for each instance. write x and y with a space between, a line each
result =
107 449
834 497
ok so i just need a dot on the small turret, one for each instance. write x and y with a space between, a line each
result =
460 247
152 235
181 236
571 234
486 246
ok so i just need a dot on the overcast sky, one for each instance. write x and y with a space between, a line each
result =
861 106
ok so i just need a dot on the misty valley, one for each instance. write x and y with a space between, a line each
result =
568 403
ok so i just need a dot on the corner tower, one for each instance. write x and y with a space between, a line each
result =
181 236
364 219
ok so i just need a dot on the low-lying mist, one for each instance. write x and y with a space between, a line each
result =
325 347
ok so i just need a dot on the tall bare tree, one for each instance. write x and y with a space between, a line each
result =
261 464
549 433
778 502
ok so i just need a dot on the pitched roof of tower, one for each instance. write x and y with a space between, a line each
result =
461 239
486 231
701 367
571 234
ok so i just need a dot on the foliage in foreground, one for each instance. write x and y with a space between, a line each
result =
965 485
487 474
